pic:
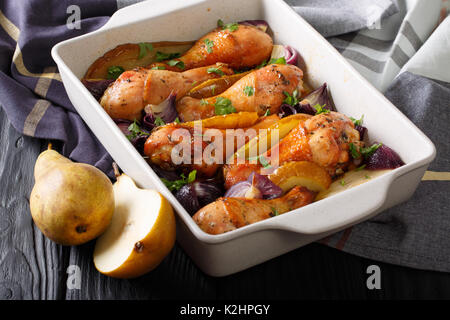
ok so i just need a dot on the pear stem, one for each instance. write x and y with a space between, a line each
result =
49 146
116 169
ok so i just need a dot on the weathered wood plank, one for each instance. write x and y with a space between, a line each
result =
31 266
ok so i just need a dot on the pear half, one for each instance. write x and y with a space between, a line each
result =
141 234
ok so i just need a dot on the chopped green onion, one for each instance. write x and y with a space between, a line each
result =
321 109
215 70
248 91
223 106
176 63
161 56
115 71
159 122
144 48
209 45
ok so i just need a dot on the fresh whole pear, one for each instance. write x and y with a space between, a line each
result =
71 203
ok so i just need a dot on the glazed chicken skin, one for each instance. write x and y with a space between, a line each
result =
323 139
126 97
227 214
245 47
161 142
268 85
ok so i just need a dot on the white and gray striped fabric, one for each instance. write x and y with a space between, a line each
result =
406 55
390 34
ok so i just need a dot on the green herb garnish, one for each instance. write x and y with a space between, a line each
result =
209 45
135 131
223 106
321 109
267 113
249 91
144 47
366 152
114 72
291 99
213 89
177 120
274 212
342 183
357 122
203 102
230 26
220 23
159 121
177 184
159 68
354 151
360 168
281 60
176 63
215 70
161 56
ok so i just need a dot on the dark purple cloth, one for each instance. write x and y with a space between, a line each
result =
41 25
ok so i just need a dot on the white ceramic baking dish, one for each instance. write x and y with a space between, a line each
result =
180 20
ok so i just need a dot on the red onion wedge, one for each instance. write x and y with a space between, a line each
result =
291 55
383 158
97 86
260 24
256 187
165 111
319 96
196 195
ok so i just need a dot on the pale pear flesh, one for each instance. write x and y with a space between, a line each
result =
135 214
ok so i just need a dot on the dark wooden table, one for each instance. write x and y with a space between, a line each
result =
33 267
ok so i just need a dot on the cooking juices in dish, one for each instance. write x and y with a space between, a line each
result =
231 128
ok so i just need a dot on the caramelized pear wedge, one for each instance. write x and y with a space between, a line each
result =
301 173
214 87
228 121
264 138
349 180
132 55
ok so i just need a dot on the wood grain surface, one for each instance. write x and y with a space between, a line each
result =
33 267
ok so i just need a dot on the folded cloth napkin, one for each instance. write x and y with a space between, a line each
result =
387 41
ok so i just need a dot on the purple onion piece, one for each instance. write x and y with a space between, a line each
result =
187 197
207 192
139 143
148 122
319 96
97 86
268 189
239 190
286 110
169 175
362 131
384 158
165 110
291 55
260 24
305 108
123 125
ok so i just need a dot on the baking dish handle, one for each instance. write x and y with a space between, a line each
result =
357 204
143 11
